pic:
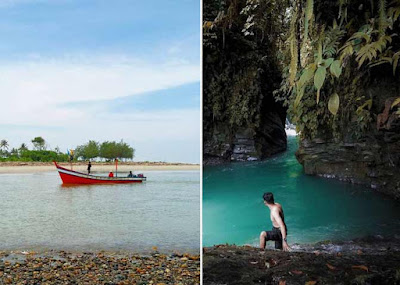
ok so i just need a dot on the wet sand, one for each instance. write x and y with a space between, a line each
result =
60 267
32 167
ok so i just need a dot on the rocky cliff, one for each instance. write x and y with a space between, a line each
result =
242 121
370 158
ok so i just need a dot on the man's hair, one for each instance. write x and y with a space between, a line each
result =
269 197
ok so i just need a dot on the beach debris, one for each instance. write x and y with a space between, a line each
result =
361 267
331 267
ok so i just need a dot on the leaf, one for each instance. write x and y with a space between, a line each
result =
308 17
307 74
331 267
335 68
362 267
310 283
282 282
333 104
300 93
297 272
319 77
396 102
367 103
327 62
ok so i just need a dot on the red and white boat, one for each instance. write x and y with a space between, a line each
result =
73 177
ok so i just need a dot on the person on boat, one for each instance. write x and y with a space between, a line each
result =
130 174
111 174
88 167
279 229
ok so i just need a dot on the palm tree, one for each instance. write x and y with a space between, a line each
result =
4 144
23 147
14 151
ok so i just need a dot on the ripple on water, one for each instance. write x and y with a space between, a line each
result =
38 212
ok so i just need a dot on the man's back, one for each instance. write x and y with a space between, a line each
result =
276 209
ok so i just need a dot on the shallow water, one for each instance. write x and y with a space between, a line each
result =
38 213
315 208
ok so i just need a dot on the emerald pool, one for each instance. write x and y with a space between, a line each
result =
316 208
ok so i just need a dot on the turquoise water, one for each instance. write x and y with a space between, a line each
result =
315 208
38 213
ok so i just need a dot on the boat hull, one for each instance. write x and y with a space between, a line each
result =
73 177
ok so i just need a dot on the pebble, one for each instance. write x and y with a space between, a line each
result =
98 268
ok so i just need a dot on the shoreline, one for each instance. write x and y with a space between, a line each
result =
34 167
369 260
58 266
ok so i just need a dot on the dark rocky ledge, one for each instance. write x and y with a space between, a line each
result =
372 260
374 163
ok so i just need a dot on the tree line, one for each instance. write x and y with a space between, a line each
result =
107 151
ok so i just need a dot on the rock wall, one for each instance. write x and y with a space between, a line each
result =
241 120
372 160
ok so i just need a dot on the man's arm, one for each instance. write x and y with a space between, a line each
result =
277 217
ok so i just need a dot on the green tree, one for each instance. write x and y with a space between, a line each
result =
111 150
39 143
108 150
124 151
88 151
14 152
23 147
4 145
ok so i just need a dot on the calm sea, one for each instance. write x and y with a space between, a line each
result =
38 213
315 208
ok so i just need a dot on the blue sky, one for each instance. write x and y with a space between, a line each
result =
71 71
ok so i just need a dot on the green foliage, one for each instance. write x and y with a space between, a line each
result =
39 143
364 39
88 151
23 147
319 79
3 145
107 150
336 69
36 155
112 150
333 103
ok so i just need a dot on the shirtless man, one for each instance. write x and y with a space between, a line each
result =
279 230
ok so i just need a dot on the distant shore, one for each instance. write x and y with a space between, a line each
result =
33 167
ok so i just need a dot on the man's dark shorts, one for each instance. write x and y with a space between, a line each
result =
276 236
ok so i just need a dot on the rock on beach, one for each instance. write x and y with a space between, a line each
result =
60 267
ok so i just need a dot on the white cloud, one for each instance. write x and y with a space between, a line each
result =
35 93
31 91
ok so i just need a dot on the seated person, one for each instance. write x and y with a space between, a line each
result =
111 174
130 174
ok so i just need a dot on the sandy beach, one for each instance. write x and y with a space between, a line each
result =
34 167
